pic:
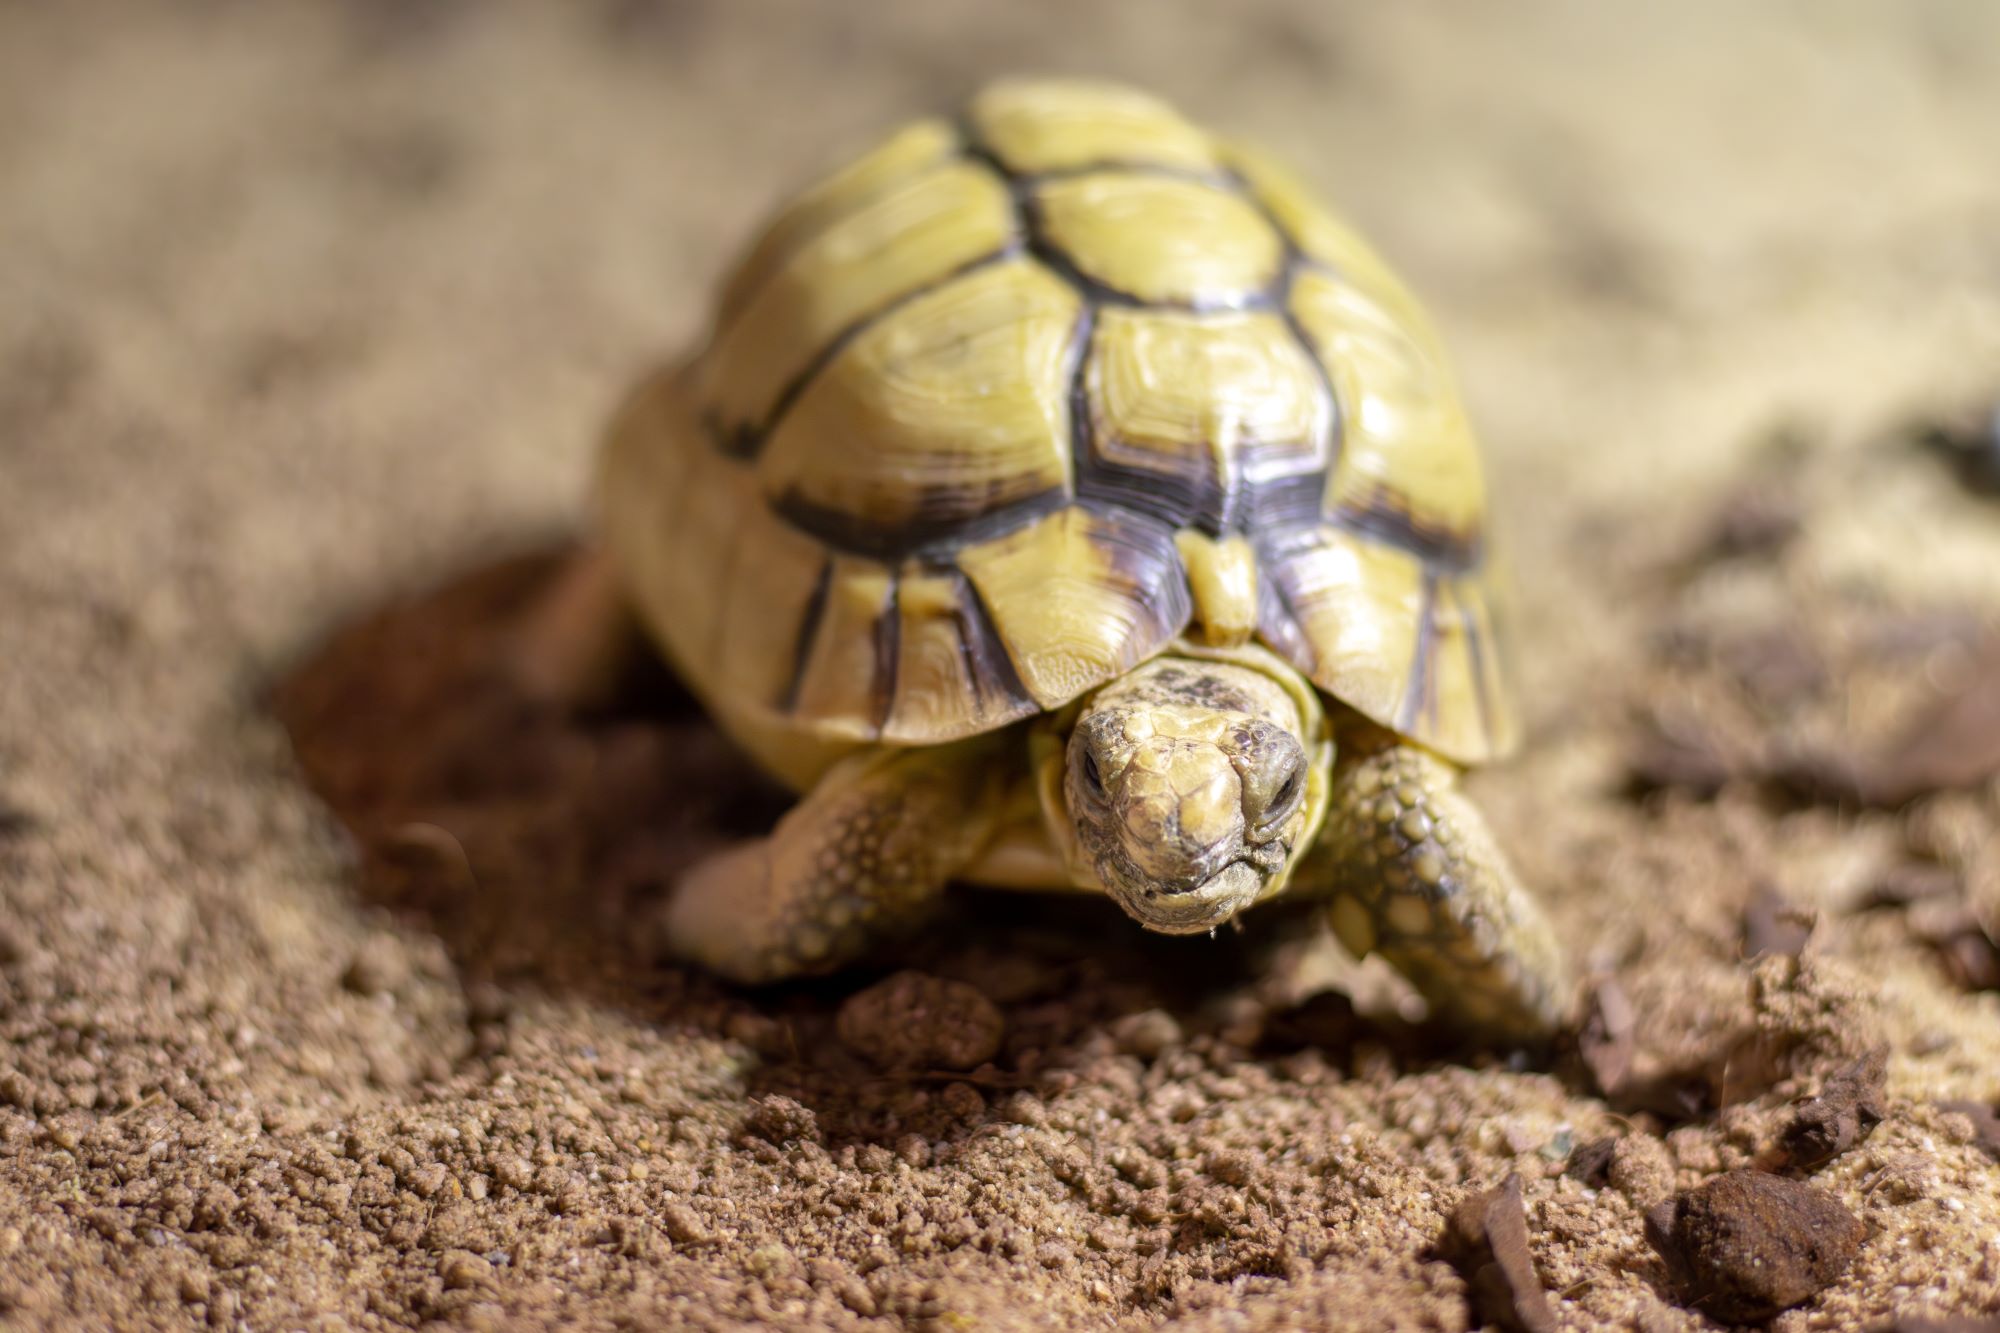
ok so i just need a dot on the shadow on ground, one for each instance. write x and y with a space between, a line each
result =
538 843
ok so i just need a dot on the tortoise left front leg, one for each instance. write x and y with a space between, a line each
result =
1414 874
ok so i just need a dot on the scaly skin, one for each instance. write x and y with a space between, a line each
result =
1414 874
863 857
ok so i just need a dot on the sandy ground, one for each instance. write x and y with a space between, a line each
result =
322 1004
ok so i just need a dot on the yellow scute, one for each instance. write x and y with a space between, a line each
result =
1037 125
902 155
1167 385
899 243
1078 598
1161 238
952 406
1404 430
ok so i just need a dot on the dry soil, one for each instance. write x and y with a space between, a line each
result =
325 995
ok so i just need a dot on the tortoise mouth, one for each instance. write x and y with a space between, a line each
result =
1200 907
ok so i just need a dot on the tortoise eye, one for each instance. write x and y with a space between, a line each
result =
1093 781
1283 801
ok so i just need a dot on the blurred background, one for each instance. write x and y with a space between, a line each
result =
318 294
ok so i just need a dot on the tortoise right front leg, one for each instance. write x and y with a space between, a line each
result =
865 855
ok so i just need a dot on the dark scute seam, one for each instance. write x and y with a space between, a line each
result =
1022 186
809 624
1082 427
1212 503
1296 259
888 654
1221 178
1336 417
839 343
1216 500
1144 556
987 661
1382 520
1469 603
1044 248
1279 606
1417 689
1176 499
747 439
804 241
935 540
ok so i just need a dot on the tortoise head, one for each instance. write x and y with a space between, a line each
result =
1190 787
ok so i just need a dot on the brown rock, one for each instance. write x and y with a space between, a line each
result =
462 1270
1970 955
917 1021
1911 882
1748 1244
1968 439
1756 520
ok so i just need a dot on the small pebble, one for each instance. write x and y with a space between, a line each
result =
684 1225
780 1120
1147 1035
378 967
462 1270
917 1021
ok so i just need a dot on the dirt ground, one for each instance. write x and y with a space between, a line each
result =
325 1004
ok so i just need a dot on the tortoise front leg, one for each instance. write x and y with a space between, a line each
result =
1415 875
864 856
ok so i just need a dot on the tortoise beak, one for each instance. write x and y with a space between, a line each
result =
1200 908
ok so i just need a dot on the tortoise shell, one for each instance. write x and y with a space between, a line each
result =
962 397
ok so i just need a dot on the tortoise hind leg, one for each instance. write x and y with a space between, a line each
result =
577 639
1415 875
864 856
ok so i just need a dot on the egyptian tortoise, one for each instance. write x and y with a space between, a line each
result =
1065 500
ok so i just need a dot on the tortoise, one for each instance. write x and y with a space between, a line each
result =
1064 499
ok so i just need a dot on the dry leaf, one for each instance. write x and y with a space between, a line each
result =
1971 443
1676 753
1773 927
1910 882
1845 1112
1591 1163
1953 744
1607 1041
1488 1240
1985 1124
